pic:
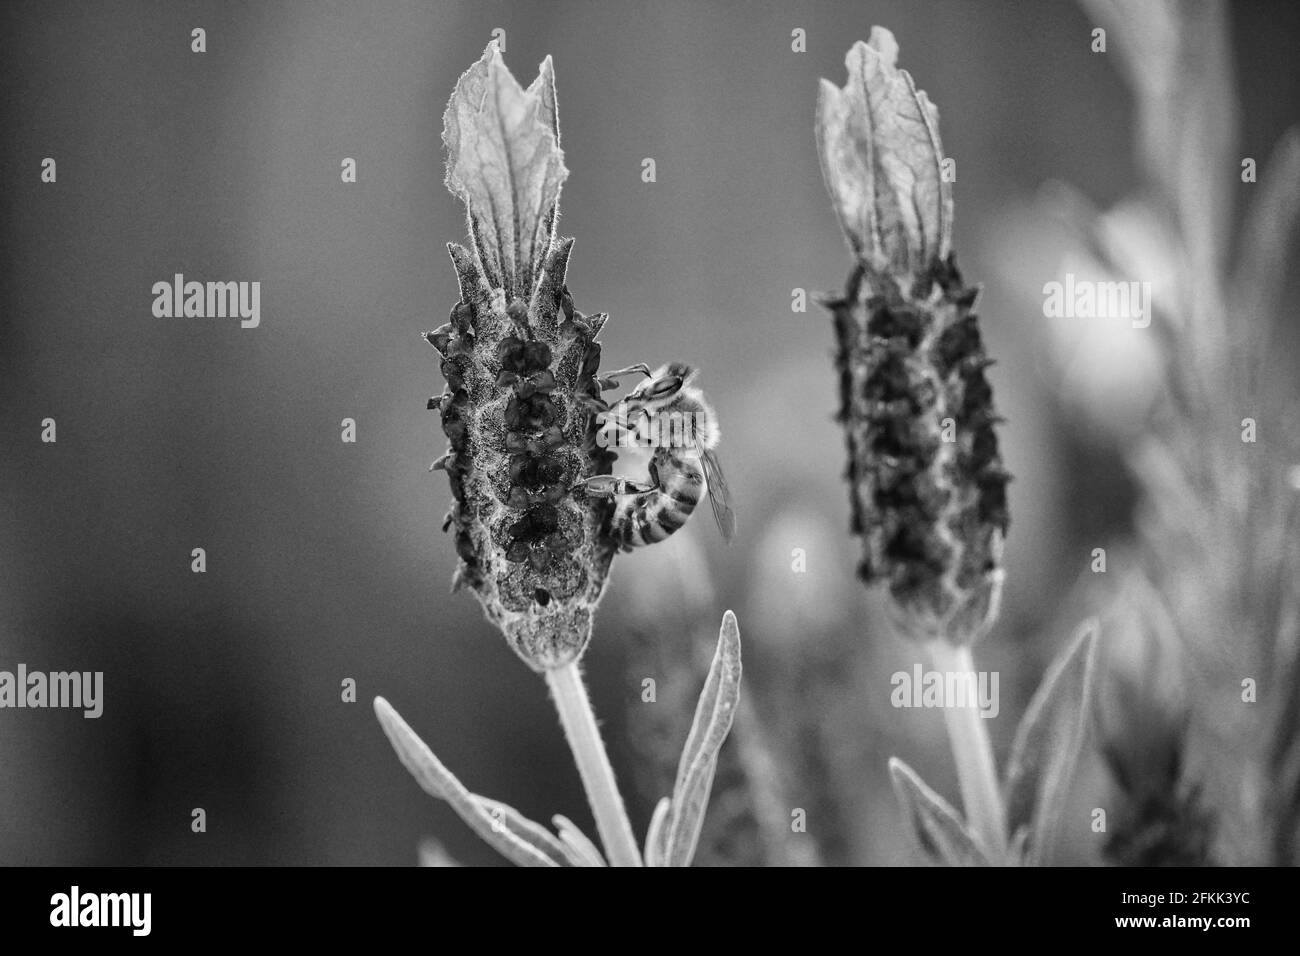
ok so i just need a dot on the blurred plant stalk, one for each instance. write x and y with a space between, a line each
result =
972 750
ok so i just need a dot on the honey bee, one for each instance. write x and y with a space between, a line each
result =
666 413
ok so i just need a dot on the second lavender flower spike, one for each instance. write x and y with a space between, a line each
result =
927 484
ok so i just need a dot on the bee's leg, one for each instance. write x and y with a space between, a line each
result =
442 463
610 379
591 403
610 486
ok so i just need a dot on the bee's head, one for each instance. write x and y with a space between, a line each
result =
661 387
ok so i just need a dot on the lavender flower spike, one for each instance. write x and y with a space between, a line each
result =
927 486
520 364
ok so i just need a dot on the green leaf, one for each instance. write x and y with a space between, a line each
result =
517 839
939 830
534 834
1047 746
713 717
505 164
656 847
581 850
878 139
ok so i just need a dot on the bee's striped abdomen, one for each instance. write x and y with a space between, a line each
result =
654 515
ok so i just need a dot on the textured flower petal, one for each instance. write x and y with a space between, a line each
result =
878 138
505 163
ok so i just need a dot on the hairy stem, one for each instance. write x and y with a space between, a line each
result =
973 752
570 695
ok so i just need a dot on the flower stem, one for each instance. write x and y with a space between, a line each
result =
973 753
580 728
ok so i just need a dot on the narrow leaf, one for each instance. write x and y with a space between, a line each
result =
939 831
534 834
657 836
437 781
582 852
713 717
1047 745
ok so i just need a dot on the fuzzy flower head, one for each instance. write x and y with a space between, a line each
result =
520 364
927 486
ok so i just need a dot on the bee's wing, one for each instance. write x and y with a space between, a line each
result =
719 496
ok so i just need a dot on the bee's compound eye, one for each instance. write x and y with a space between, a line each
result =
665 387
542 596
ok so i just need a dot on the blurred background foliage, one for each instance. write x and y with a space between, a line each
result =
325 560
